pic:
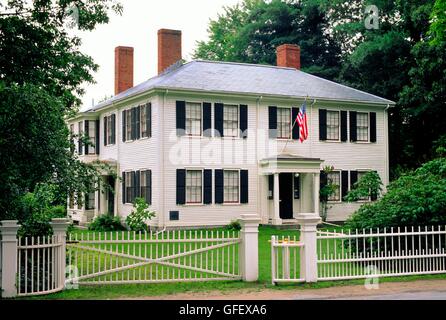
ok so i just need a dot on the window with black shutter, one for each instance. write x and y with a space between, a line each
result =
181 186
353 130
344 182
123 187
207 177
137 122
244 120
353 179
343 126
133 123
272 121
96 146
244 186
137 189
219 192
80 134
372 126
87 136
124 126
207 119
105 130
113 129
322 124
296 128
323 183
218 119
146 185
181 117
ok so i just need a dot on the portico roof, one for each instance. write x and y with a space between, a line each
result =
288 162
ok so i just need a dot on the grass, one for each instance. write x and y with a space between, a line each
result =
264 281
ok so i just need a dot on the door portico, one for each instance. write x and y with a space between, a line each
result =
283 167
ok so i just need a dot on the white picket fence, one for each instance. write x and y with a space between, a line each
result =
40 269
381 253
170 256
285 259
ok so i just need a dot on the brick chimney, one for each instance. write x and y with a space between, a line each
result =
123 69
169 48
288 55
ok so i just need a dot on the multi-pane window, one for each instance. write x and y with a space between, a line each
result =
129 187
362 126
360 175
145 119
109 130
231 186
80 133
128 124
193 119
91 136
146 185
334 178
283 123
230 121
194 186
332 125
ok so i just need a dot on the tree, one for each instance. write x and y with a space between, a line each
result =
41 72
251 32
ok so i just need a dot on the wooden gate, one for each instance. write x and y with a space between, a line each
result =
170 256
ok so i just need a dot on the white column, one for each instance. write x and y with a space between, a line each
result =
249 247
8 231
308 235
316 186
60 226
276 218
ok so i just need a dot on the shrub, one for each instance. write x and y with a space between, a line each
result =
234 225
370 184
137 219
106 222
417 198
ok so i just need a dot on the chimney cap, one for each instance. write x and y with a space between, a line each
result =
124 48
169 31
288 46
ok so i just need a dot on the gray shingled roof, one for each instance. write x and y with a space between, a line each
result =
227 77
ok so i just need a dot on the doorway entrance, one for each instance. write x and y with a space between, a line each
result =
286 195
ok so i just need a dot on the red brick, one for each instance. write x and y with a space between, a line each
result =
169 48
123 69
288 55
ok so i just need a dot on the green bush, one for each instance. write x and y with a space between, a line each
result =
137 219
417 198
234 226
106 222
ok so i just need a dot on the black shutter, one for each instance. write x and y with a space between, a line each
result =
124 135
79 139
271 186
96 147
373 195
272 121
138 122
323 183
87 134
353 178
181 118
207 179
296 128
218 121
133 183
133 129
123 188
149 185
149 119
372 126
296 187
113 129
244 189
181 186
322 124
353 133
219 186
344 184
138 184
207 120
343 126
105 131
244 120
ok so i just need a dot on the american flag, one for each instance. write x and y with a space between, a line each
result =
302 122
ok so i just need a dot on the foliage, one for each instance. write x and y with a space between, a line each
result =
416 198
41 76
369 185
251 32
234 226
137 219
438 25
326 191
106 222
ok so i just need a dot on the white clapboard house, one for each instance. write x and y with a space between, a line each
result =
204 142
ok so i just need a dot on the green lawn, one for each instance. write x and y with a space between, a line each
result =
139 290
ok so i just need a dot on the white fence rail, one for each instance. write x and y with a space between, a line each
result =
381 253
40 269
171 256
285 259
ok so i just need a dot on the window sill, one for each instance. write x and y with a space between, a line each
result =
110 145
332 141
193 204
362 142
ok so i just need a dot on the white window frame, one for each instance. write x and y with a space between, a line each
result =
144 106
202 187
91 149
237 107
109 131
339 187
339 126
187 104
290 133
368 127
80 133
127 184
140 181
239 188
128 125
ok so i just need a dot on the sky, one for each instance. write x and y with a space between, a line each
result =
137 27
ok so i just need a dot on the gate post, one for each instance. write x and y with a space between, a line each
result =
249 247
308 259
60 226
8 231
